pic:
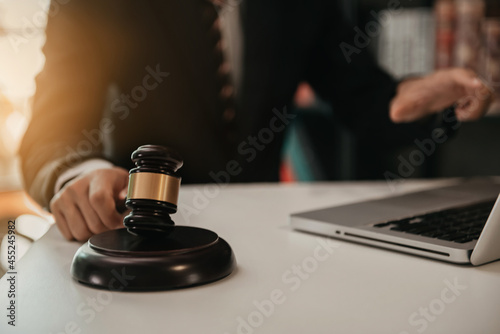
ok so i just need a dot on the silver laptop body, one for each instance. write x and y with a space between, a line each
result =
356 222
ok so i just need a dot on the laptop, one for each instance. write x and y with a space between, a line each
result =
458 223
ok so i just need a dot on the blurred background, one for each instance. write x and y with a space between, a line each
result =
22 25
422 36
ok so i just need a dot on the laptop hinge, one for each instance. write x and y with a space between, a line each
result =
487 248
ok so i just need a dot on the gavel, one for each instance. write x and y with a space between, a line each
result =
151 252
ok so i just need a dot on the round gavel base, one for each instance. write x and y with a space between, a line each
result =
119 261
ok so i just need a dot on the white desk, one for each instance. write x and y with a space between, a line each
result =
355 289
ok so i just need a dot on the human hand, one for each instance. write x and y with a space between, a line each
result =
419 97
87 204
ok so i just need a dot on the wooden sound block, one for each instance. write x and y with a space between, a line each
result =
120 261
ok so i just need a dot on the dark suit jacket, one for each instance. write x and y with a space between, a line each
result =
105 81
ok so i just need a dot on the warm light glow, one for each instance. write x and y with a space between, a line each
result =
22 25
15 125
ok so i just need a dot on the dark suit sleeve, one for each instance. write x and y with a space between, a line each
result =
68 103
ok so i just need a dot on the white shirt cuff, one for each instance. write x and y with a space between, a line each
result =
85 166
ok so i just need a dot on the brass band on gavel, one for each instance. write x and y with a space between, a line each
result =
154 186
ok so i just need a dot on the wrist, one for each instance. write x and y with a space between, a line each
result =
81 168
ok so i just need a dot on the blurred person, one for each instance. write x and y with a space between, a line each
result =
211 80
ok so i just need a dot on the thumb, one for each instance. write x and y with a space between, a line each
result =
476 97
466 78
119 179
123 194
120 201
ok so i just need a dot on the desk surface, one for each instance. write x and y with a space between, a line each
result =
286 281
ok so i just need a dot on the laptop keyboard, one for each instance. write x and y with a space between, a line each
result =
459 225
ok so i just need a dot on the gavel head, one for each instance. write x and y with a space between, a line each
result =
152 191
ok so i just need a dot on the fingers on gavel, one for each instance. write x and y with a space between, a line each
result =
87 205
